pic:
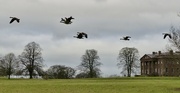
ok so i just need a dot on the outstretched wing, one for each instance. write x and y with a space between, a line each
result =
62 20
128 37
70 18
12 20
18 20
170 36
85 35
165 35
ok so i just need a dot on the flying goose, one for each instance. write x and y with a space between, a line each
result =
80 35
14 19
167 34
125 38
66 20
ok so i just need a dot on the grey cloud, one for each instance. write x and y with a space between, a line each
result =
104 22
101 0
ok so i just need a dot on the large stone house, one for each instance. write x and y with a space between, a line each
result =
161 64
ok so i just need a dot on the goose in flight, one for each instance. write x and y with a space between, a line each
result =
14 19
66 20
167 34
125 38
80 35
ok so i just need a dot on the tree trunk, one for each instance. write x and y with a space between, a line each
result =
9 72
30 74
91 73
9 76
129 72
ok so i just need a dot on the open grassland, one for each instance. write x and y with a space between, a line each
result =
101 85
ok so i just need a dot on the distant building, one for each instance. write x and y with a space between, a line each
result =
161 64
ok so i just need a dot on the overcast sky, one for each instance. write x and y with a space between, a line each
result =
105 22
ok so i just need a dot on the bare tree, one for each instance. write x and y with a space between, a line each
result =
31 58
9 64
128 60
90 63
174 45
175 40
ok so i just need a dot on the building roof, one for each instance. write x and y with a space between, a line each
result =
160 55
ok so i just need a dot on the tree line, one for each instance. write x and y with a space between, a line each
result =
30 62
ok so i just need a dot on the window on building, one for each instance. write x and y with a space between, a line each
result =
159 71
155 70
166 70
147 71
162 70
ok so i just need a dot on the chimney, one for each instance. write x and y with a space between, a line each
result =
171 52
153 53
159 52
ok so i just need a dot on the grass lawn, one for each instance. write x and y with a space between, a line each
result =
103 85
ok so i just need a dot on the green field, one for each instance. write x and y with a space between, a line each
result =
103 85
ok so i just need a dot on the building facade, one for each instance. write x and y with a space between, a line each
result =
161 64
